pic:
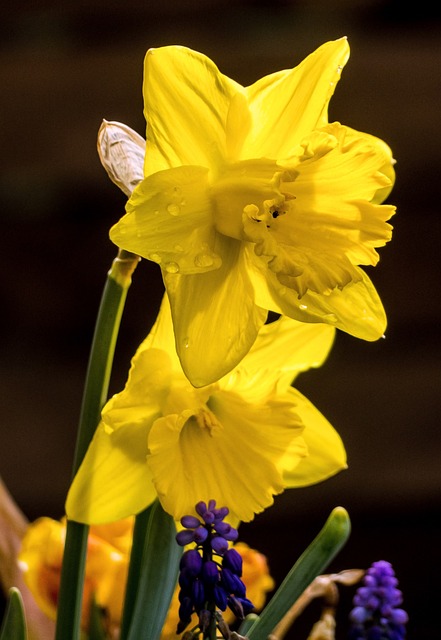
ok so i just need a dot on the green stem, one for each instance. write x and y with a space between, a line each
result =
135 569
68 625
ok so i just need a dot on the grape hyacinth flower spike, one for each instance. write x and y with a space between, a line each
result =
210 573
376 614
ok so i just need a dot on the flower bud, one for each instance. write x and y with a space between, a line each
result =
121 151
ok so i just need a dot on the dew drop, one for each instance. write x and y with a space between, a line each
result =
186 342
303 307
172 267
203 260
282 291
156 212
173 209
155 257
331 318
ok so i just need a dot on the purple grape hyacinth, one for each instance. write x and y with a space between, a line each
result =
376 614
210 574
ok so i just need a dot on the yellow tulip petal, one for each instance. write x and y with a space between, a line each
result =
327 454
287 105
230 454
113 481
282 349
40 559
169 221
214 316
186 104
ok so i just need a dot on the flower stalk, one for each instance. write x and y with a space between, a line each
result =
95 394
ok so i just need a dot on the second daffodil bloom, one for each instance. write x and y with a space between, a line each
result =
240 440
251 201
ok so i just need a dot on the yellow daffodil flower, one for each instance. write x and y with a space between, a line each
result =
108 552
256 577
240 440
252 201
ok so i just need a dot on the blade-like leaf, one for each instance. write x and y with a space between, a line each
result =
311 563
158 576
14 622
97 630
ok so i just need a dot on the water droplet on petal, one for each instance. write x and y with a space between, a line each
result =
155 257
303 307
173 209
186 342
282 291
203 260
172 267
331 318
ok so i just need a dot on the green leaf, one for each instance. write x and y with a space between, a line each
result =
311 563
158 576
14 622
135 569
247 623
97 630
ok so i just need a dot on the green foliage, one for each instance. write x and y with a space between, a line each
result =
14 621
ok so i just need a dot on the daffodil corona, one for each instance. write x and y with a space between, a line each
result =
252 201
240 440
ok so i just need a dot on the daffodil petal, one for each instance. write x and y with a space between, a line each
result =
186 104
382 150
214 315
142 396
287 105
327 455
234 461
282 350
333 210
356 309
113 481
169 221
162 336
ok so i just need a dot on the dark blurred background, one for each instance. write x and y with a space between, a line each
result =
65 66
